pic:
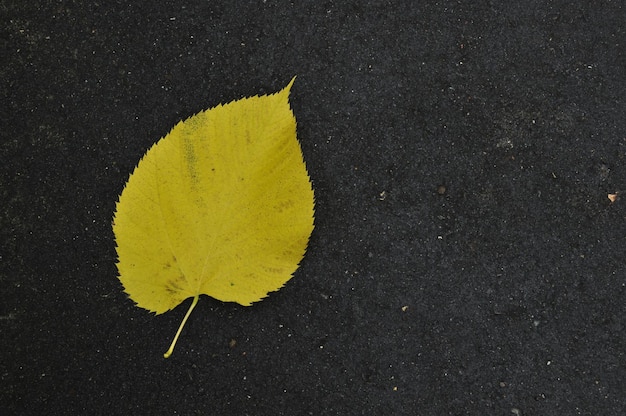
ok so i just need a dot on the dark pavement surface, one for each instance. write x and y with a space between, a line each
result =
466 258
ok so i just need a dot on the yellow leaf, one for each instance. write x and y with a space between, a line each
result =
221 206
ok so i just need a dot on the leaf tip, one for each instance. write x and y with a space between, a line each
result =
288 87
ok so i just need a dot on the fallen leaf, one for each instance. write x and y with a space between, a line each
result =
221 206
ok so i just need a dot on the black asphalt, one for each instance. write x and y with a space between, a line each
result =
466 260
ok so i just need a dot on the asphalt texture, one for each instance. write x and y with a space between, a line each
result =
468 160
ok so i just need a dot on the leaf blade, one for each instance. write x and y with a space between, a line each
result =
222 205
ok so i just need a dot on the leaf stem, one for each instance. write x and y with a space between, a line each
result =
180 328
